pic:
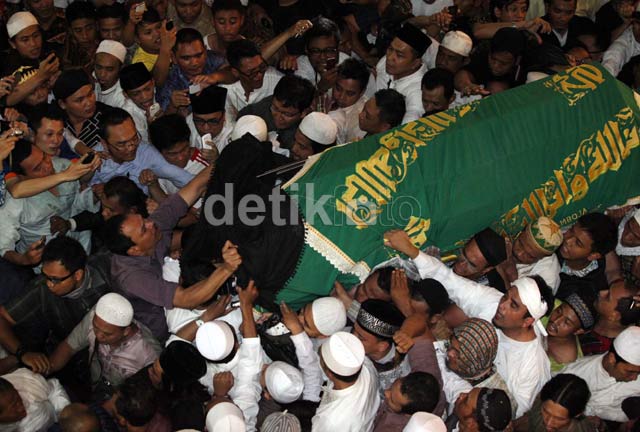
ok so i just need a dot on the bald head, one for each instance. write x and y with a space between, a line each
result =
78 417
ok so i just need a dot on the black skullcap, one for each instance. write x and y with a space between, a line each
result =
492 246
69 82
210 100
182 362
493 410
380 318
411 35
508 39
134 76
434 294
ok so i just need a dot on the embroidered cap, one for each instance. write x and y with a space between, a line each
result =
380 318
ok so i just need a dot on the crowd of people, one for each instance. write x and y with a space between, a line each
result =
113 118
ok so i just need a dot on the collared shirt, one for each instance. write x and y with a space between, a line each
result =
147 157
113 96
177 80
347 120
410 87
237 98
90 132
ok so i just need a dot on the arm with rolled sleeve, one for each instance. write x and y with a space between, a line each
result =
247 390
309 364
620 52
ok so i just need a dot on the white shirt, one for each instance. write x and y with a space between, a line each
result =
620 52
548 268
246 387
352 409
305 70
309 365
347 121
43 400
196 164
236 98
409 87
178 318
221 140
606 393
139 118
420 8
523 365
429 56
113 96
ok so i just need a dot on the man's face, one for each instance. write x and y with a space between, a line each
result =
323 52
39 95
370 290
123 141
111 206
466 404
346 92
110 28
107 70
191 57
84 32
212 123
59 279
596 51
624 372
555 417
228 24
563 322
396 400
108 334
369 118
284 117
501 63
143 233
434 100
372 345
188 10
143 96
631 234
471 263
453 354
41 9
49 136
560 13
577 244
11 407
148 36
515 12
160 6
28 42
510 313
252 70
179 154
448 60
305 316
607 300
524 251
302 147
38 164
401 59
81 104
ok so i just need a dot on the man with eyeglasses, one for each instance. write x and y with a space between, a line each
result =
52 304
208 117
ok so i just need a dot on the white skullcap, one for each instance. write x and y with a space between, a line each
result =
627 345
114 309
425 422
225 417
636 216
215 340
343 353
458 42
532 298
20 21
319 127
114 48
284 382
250 124
329 315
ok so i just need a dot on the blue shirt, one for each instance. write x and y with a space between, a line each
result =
177 80
147 157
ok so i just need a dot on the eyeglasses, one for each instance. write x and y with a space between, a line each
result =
56 280
202 122
133 142
274 110
320 52
254 73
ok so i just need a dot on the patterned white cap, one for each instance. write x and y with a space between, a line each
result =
343 354
284 382
225 417
114 309
114 48
329 315
20 21
458 42
215 340
251 124
425 422
627 345
319 127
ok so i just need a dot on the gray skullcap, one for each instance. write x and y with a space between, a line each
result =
281 422
380 318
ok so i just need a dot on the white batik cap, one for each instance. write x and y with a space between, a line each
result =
343 354
532 298
225 417
458 42
20 21
425 422
627 345
114 309
329 315
215 340
284 382
319 127
251 124
114 48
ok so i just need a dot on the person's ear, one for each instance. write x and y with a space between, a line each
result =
78 275
579 332
528 322
383 346
593 256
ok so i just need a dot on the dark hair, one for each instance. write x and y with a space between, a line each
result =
5 385
187 413
187 36
437 77
294 91
166 131
602 230
239 50
628 315
128 193
551 1
616 356
68 251
220 5
501 4
45 111
115 10
545 292
356 70
137 400
422 390
150 16
391 105
79 10
112 117
567 390
384 278
115 241
20 152
322 27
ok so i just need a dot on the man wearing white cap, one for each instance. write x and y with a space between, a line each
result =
612 377
425 422
521 358
628 247
250 124
225 417
316 133
110 57
351 399
118 345
453 52
282 382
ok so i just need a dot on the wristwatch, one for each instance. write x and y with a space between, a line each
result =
199 322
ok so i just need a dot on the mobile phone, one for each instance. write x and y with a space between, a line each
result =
207 142
16 132
195 88
89 158
141 7
154 110
331 63
169 25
